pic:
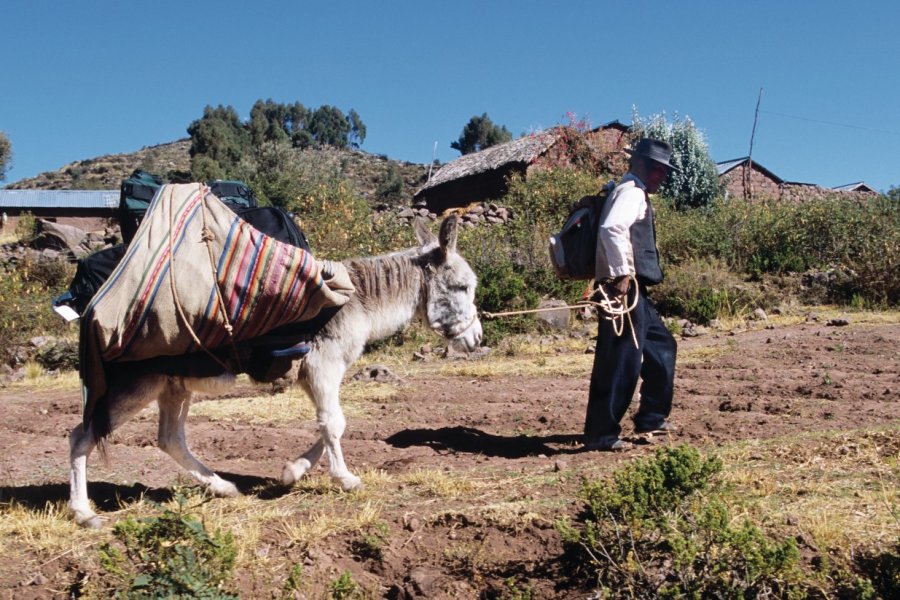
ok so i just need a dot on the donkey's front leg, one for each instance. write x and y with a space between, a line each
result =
173 410
322 382
293 471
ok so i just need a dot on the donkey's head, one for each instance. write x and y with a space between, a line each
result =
449 286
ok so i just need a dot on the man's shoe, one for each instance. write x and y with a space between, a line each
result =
614 446
666 427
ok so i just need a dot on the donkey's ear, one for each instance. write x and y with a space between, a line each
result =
448 234
423 233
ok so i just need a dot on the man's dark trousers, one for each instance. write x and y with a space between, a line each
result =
617 364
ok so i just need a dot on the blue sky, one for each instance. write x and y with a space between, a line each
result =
83 79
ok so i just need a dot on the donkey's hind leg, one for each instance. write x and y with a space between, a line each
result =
124 399
174 404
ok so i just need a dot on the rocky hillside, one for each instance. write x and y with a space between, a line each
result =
106 172
369 173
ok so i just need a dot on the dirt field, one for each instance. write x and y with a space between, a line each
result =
467 463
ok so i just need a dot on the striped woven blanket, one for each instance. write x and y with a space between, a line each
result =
194 271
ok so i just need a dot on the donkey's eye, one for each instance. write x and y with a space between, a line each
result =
459 288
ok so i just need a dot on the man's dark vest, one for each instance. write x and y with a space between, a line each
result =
643 244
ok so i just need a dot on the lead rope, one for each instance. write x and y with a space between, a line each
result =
611 309
207 237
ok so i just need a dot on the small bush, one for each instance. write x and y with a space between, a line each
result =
859 238
705 289
660 529
25 308
344 588
170 556
26 228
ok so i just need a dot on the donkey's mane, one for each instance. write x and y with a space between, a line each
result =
385 277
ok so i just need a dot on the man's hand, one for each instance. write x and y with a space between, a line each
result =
620 285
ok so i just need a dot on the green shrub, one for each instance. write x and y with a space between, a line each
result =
860 238
660 529
512 261
337 219
25 302
705 289
26 228
170 556
344 588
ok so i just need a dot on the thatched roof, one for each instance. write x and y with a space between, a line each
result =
523 150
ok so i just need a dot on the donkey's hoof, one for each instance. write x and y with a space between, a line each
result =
224 489
350 482
90 522
293 471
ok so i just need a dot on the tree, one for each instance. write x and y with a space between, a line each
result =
696 183
329 127
5 155
357 129
268 122
480 133
221 139
894 193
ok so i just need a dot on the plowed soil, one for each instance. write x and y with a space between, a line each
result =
521 432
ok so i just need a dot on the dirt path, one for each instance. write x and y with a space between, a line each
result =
757 384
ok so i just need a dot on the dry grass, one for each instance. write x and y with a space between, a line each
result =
840 488
37 380
48 531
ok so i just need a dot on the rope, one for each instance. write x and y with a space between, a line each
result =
207 237
611 309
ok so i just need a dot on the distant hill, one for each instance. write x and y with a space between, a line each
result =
366 171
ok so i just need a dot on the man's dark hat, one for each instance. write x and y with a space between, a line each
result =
655 150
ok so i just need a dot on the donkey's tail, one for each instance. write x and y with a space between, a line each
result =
98 420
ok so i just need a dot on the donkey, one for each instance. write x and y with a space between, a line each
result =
431 281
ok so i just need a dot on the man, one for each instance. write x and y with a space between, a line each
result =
626 249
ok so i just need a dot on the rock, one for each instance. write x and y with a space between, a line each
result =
423 580
63 237
377 374
560 465
557 319
759 315
412 522
838 322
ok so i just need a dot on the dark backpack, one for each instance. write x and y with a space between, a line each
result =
135 196
235 194
573 249
275 222
139 189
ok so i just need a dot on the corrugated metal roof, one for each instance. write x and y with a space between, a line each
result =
25 199
859 186
727 165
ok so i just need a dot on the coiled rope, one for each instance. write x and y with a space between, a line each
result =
207 237
612 308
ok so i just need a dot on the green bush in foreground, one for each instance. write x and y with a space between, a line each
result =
170 556
660 529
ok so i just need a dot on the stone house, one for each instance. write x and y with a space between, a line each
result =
483 176
746 178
